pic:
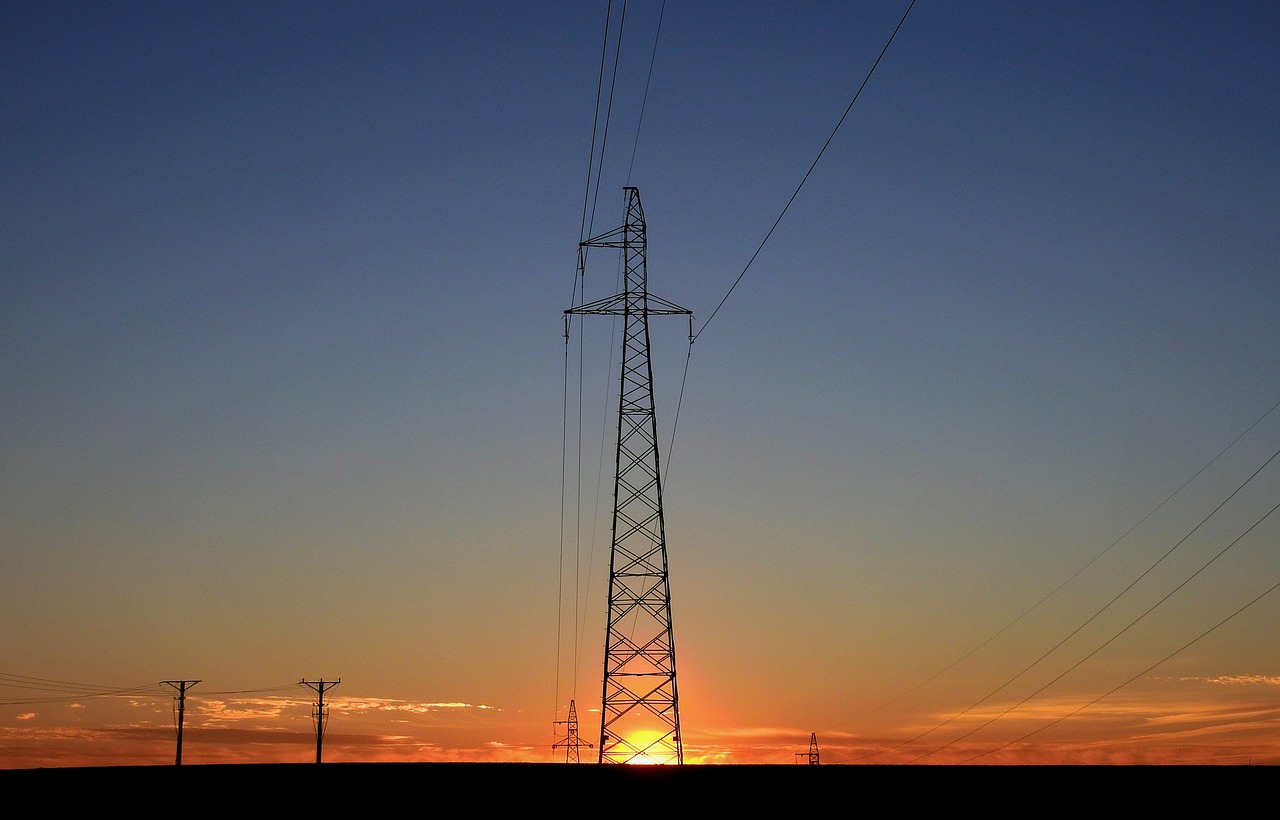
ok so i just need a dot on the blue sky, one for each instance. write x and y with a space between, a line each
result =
282 309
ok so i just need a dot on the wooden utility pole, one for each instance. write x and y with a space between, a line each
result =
181 686
321 714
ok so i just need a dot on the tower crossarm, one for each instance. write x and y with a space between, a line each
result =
616 306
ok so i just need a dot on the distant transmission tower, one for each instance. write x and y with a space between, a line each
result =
640 719
571 742
812 756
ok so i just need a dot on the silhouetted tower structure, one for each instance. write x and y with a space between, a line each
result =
812 757
181 686
321 715
571 742
640 718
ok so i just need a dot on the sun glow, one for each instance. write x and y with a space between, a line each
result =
644 740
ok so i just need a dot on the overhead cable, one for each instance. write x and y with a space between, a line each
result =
805 179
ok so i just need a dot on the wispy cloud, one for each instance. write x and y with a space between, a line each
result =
215 712
357 705
1241 680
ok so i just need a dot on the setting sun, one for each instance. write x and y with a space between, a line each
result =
649 748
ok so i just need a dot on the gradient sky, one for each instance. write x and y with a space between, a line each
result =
285 382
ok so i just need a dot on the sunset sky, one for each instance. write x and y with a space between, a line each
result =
970 461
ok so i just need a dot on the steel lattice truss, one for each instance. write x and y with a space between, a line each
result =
640 720
572 743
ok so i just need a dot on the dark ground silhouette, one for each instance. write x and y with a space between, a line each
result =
539 788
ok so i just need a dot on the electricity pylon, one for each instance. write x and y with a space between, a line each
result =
571 742
640 718
812 756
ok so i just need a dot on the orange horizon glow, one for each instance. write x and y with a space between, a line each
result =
278 730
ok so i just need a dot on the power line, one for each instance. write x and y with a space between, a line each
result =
1053 592
608 120
694 336
1155 665
593 169
1127 627
653 56
262 691
813 165
1099 612
603 118
583 230
68 692
600 129
58 691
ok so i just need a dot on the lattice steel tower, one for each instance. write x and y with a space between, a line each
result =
572 743
640 718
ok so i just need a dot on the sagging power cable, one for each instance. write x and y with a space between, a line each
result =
807 173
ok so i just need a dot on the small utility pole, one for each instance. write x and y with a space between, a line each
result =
181 686
321 714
